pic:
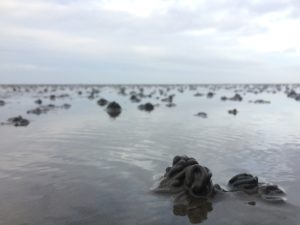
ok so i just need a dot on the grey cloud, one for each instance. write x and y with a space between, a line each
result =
67 40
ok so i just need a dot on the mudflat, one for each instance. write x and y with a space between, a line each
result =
77 161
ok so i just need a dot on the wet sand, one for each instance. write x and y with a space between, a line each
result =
81 166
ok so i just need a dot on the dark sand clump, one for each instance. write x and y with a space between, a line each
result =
201 114
46 108
146 107
18 121
2 102
233 111
102 102
113 109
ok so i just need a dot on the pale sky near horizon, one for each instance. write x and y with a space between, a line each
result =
149 41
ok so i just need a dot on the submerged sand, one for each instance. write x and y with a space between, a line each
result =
81 166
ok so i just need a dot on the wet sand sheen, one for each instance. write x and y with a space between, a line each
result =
80 166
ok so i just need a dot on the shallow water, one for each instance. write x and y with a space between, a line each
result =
80 166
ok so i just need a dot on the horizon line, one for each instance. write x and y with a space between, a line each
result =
144 84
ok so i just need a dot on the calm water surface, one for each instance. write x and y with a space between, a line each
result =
80 166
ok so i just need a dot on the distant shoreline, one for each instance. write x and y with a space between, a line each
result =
141 84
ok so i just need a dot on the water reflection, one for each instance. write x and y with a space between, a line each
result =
113 113
196 209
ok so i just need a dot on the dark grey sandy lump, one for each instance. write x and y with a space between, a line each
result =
261 101
113 109
243 182
135 99
187 175
236 97
102 102
147 107
198 94
201 114
39 101
18 121
233 111
2 102
210 94
114 106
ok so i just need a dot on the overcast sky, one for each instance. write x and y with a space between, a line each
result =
149 41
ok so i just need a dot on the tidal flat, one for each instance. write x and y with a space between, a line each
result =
76 162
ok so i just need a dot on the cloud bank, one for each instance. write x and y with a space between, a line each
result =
149 41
